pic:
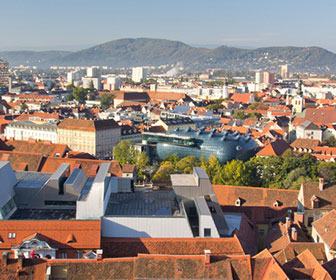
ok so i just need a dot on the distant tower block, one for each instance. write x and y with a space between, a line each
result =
225 91
284 71
258 77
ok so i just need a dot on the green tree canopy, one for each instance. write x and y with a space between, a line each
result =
164 172
330 141
240 115
106 100
79 94
124 152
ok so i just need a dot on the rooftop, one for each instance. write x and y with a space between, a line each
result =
143 203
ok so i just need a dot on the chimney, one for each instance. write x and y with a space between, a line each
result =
5 258
321 183
288 222
294 234
20 260
207 254
99 254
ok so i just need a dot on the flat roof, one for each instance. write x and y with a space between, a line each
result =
181 180
143 203
44 214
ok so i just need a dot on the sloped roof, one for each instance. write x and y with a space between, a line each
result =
31 160
87 125
157 95
45 148
87 232
130 247
326 228
295 248
305 265
304 143
265 267
227 195
50 165
327 197
321 115
309 125
243 98
275 148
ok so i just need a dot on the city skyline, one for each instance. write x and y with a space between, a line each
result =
42 25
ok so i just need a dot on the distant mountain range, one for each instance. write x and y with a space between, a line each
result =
154 52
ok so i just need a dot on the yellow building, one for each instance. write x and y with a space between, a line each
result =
96 137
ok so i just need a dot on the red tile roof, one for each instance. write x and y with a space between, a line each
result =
326 228
131 247
276 148
87 125
86 233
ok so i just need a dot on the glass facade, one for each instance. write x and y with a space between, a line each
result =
225 146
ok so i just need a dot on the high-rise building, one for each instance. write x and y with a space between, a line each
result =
93 72
138 74
4 74
268 78
258 77
284 71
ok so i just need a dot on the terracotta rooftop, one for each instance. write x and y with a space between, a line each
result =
241 97
251 196
305 266
88 125
295 248
326 197
326 229
131 247
86 233
50 165
266 267
46 148
303 143
32 161
275 148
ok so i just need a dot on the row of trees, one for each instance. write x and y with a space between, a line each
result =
80 94
285 172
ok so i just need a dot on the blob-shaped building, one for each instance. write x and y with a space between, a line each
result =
188 142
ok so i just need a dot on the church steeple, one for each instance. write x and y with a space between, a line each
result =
299 91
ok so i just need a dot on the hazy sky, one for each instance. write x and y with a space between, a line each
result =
77 24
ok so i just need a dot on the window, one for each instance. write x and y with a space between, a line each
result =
317 239
79 254
63 255
207 232
261 232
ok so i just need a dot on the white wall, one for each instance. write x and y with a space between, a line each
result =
160 227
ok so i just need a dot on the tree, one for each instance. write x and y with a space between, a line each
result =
91 86
124 152
293 176
106 101
234 173
330 141
70 87
91 96
257 106
141 163
327 170
173 158
186 164
69 97
239 115
213 169
164 172
24 107
79 94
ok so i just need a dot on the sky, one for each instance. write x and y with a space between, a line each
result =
78 24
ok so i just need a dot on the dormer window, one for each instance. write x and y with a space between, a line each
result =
276 204
238 202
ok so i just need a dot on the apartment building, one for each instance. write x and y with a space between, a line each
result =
96 137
